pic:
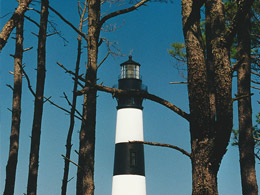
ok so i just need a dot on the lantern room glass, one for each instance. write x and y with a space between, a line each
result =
130 71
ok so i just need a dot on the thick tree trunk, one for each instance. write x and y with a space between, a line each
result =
12 22
85 175
16 111
209 87
38 104
246 142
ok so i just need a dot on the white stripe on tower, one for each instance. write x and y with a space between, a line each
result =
129 127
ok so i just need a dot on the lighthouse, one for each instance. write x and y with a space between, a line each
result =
129 170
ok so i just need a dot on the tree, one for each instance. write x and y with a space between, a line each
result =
246 141
73 107
210 100
39 100
85 174
16 110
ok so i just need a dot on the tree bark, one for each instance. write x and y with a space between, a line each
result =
246 141
73 109
16 111
12 22
209 88
85 175
38 104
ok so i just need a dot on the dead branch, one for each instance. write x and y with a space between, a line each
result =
103 59
242 96
67 99
70 72
65 158
257 139
255 82
144 94
27 49
31 20
123 11
164 145
67 22
28 80
184 82
255 87
255 73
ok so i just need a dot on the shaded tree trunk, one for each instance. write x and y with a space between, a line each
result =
38 104
13 21
16 111
73 108
246 141
85 174
209 88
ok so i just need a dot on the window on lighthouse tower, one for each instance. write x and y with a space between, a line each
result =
130 71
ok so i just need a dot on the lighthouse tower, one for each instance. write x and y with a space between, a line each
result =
129 172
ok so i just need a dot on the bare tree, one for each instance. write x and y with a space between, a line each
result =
16 110
38 104
73 106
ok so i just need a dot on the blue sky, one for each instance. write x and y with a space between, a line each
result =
146 34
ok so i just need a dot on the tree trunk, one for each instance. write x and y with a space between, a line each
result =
12 22
209 88
73 108
246 141
38 104
16 111
85 175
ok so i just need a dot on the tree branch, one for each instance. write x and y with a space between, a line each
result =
65 158
144 94
67 22
123 11
164 145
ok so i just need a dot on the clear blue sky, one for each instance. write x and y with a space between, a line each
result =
147 35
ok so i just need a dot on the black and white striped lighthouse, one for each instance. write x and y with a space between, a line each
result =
129 171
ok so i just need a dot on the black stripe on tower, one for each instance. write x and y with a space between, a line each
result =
127 101
129 159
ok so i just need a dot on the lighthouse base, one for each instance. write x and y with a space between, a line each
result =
129 185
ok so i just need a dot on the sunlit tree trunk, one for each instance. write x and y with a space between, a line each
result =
38 104
85 175
246 141
16 111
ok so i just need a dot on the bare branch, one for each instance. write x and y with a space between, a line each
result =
28 80
255 73
31 20
103 59
67 22
255 87
242 96
123 11
27 49
70 72
65 158
184 82
164 145
144 94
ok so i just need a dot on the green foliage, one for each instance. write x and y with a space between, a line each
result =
178 51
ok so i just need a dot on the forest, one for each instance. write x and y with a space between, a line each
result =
59 72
